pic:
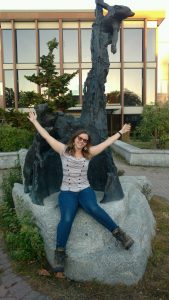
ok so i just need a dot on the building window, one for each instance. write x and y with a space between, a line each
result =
70 45
133 45
74 84
150 97
132 87
85 41
9 88
46 35
7 46
151 44
84 76
115 57
25 85
112 86
26 46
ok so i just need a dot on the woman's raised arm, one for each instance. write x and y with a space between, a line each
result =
94 150
56 145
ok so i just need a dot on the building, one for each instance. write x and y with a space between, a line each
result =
23 38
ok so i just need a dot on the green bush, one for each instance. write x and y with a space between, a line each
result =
22 236
154 125
16 118
14 175
13 139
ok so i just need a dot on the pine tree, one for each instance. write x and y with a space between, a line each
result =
55 87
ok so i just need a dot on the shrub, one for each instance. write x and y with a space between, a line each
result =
14 175
154 124
13 139
16 118
22 236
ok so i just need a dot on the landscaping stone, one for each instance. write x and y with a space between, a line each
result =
142 157
92 251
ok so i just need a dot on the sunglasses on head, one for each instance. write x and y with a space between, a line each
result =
82 139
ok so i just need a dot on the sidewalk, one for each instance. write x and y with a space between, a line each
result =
13 287
158 176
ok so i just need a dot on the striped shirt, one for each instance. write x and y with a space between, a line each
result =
74 173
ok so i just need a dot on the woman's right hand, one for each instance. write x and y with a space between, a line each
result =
32 116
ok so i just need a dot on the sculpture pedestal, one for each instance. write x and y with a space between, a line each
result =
92 250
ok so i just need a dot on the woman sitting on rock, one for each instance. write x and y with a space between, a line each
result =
75 188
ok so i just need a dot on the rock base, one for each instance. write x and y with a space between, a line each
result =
92 251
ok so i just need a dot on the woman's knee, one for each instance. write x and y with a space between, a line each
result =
67 219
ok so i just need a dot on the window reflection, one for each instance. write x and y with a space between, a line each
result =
151 44
26 46
132 87
115 57
112 86
25 85
85 41
133 45
70 45
74 84
9 88
7 46
46 35
150 97
84 76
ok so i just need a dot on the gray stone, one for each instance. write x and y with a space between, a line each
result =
8 160
142 157
92 251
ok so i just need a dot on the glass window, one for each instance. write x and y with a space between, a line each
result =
132 87
74 83
25 85
133 45
85 41
150 97
112 86
9 88
84 76
70 45
26 46
115 57
151 44
46 35
7 46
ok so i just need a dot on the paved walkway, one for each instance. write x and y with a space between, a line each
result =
158 176
13 287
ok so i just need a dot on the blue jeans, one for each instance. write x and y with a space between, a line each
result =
69 203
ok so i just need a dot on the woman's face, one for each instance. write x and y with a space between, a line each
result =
81 141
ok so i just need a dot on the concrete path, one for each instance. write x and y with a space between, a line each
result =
13 287
158 176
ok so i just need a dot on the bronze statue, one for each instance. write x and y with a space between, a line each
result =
43 169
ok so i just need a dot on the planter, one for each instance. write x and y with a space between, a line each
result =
142 157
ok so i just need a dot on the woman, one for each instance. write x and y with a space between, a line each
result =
75 187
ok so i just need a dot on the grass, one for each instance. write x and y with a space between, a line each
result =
154 285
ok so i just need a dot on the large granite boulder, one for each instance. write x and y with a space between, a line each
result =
92 251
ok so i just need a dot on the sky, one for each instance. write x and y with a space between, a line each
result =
78 4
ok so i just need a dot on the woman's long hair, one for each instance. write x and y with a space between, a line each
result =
70 149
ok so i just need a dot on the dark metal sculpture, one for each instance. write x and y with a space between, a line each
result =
43 169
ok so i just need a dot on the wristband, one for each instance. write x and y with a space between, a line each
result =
120 133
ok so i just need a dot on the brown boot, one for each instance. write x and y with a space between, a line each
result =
60 256
122 237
